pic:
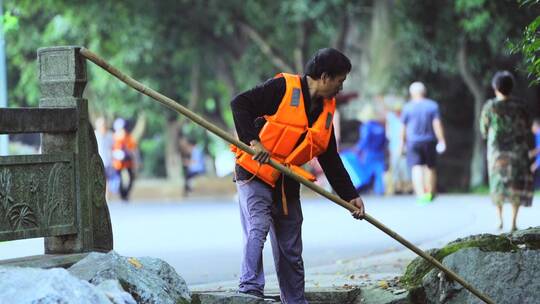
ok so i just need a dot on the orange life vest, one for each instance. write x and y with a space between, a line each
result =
282 131
122 151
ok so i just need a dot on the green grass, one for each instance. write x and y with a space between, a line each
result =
483 189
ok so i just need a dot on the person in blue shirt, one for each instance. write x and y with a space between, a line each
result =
371 149
422 138
536 153
192 161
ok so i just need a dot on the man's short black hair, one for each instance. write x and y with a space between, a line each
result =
503 81
329 61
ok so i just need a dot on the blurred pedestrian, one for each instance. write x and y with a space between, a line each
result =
505 123
104 139
400 177
125 158
422 137
535 154
193 162
372 148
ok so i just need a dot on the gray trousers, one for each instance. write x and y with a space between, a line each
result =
260 215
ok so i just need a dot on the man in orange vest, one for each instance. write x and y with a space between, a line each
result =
289 119
124 158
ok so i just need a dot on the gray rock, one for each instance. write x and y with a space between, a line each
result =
227 298
332 295
168 274
46 286
148 280
376 295
506 277
530 237
113 290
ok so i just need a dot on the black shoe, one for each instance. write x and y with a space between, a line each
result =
254 293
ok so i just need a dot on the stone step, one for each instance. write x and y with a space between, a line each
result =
368 295
227 298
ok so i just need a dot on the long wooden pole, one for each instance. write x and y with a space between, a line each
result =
227 137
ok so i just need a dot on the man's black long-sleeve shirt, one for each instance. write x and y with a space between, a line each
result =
248 110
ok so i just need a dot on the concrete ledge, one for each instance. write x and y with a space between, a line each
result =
45 260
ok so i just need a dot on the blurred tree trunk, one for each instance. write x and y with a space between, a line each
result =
226 74
173 156
215 116
304 31
477 166
173 161
355 46
195 90
381 51
343 31
139 128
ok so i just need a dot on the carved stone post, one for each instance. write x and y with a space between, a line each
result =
62 78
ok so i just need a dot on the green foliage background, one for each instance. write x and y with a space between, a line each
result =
201 53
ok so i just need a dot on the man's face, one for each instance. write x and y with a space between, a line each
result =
332 85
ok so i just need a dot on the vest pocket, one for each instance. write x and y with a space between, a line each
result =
270 134
287 141
309 148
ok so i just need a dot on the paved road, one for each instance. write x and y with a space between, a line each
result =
201 237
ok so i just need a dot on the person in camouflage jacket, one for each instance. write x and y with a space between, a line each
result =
505 123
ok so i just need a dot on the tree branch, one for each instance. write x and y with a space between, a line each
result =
266 48
234 47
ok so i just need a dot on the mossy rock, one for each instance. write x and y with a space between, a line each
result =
418 268
529 237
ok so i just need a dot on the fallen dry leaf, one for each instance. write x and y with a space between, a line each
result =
383 284
135 262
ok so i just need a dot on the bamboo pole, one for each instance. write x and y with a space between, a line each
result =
227 137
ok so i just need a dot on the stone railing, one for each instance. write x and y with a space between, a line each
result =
60 193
